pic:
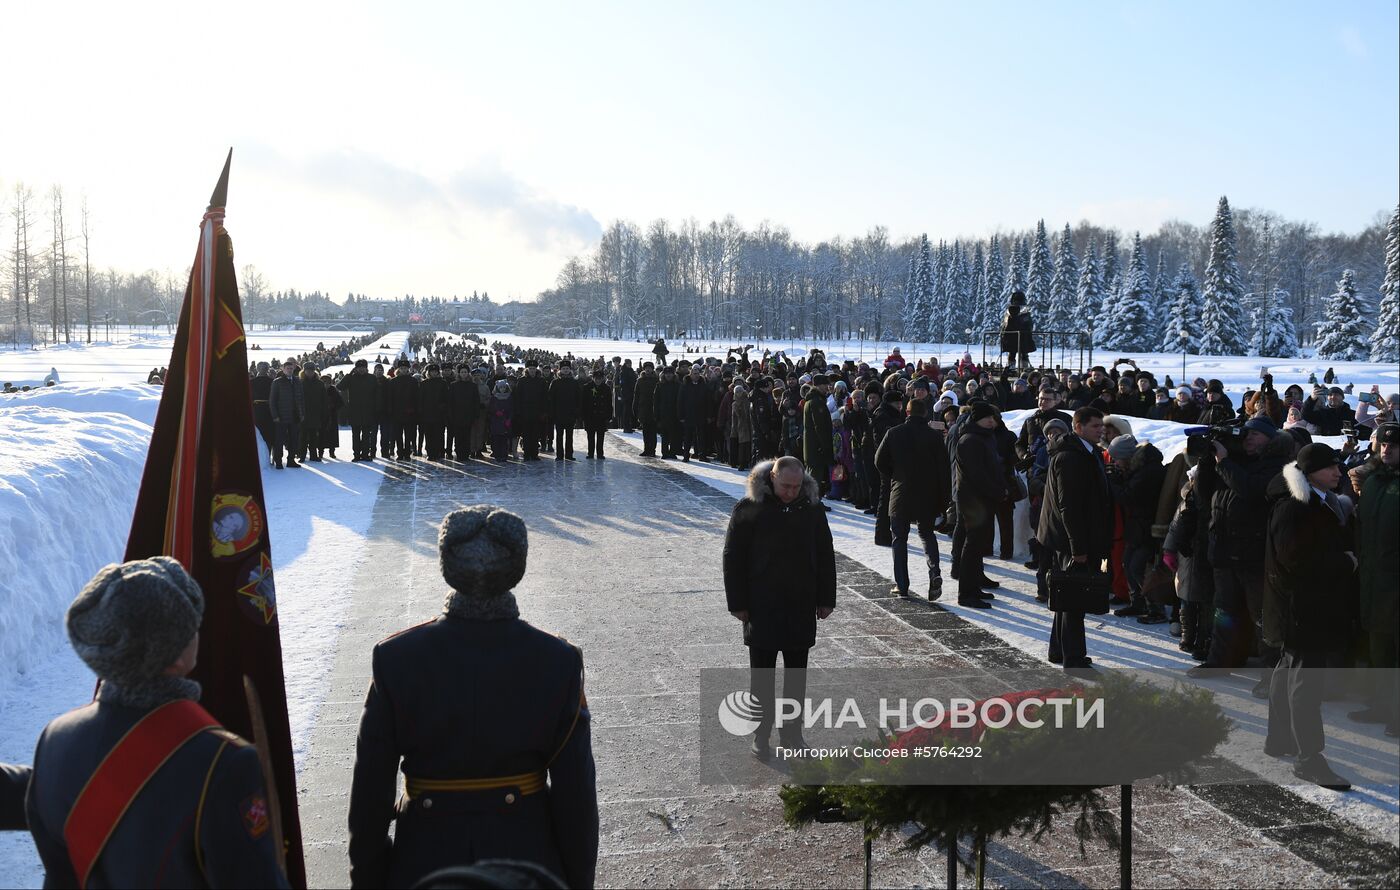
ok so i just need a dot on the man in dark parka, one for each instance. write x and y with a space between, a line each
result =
565 402
779 579
916 462
1309 603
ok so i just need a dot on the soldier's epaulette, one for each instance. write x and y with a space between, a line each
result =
406 630
232 738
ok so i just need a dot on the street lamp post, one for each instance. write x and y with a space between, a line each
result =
862 344
792 342
1185 337
757 334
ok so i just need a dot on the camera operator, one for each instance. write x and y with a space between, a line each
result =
1329 418
1239 475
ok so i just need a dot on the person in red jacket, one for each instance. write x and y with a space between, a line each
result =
894 361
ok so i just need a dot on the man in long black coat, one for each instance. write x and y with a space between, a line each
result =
401 403
779 579
980 488
528 400
692 403
643 408
666 407
361 393
432 411
597 412
624 386
915 460
485 718
565 401
1076 523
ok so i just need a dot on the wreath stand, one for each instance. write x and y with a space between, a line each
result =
979 848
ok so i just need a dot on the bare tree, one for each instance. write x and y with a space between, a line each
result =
22 260
87 273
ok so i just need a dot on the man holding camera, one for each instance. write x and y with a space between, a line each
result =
1239 475
1333 416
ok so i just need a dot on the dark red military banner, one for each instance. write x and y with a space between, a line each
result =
201 501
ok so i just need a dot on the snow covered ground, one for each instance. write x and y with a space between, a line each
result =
70 465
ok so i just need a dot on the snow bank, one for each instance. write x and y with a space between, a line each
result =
68 484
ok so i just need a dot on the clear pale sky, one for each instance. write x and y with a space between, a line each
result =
450 147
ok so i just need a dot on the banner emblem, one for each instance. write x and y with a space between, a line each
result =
257 593
236 524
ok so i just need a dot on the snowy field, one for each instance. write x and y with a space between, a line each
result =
71 458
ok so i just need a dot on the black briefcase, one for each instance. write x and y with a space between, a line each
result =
1080 590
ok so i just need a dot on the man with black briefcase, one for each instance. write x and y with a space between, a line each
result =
1076 526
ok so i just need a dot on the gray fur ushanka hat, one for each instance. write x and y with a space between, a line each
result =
131 621
482 549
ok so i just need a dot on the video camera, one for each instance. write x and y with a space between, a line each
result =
1200 438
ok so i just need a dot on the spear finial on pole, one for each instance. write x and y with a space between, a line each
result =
220 196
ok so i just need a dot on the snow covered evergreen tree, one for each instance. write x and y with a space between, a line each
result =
909 310
994 287
1088 294
955 288
916 308
1038 274
1183 314
1108 266
1063 304
1131 318
1385 340
1016 271
1274 333
1161 287
1222 330
977 291
938 297
1342 333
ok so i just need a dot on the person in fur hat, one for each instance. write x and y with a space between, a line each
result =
779 580
487 717
201 816
1309 603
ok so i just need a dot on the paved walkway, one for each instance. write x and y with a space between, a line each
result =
624 561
